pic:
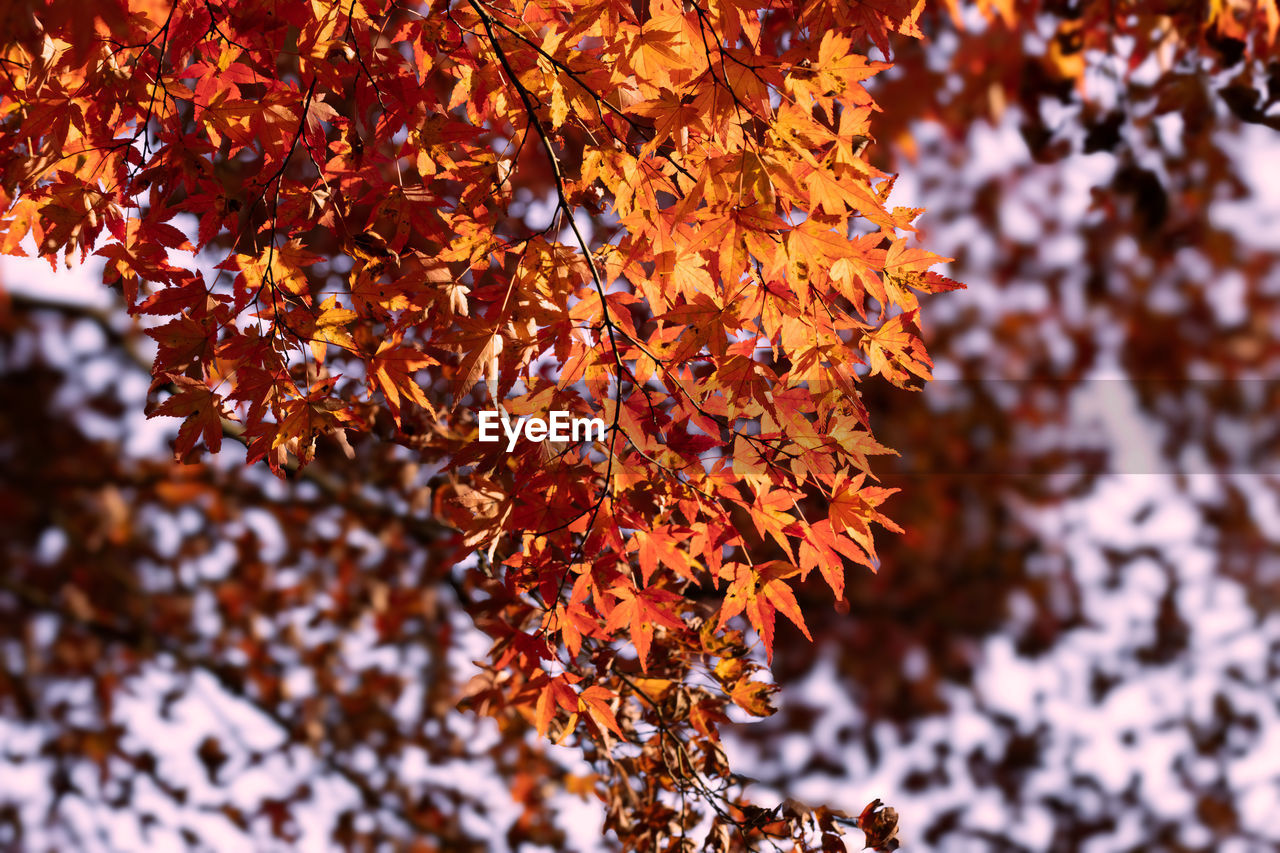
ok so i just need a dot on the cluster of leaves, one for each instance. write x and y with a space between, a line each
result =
463 261
1103 243
370 257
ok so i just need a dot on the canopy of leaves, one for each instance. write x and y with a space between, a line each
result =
354 225
346 228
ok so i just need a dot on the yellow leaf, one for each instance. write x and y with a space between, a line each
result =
278 266
559 105
330 328
753 697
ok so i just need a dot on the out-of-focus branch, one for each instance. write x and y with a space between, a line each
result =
422 528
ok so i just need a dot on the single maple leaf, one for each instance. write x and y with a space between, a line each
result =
595 700
556 693
879 823
329 326
641 611
754 697
391 372
853 509
897 352
760 594
202 409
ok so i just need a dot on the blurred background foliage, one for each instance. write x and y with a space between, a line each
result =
1074 647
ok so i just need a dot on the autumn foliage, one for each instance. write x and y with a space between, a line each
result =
713 267
350 227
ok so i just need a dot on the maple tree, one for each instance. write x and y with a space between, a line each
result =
350 227
719 270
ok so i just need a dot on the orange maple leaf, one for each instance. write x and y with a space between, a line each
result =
202 409
391 371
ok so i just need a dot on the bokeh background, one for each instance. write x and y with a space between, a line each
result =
1074 647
